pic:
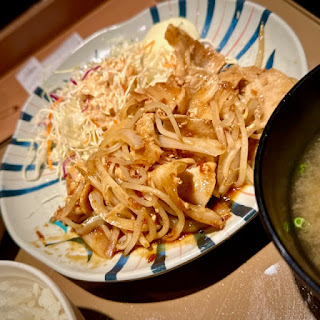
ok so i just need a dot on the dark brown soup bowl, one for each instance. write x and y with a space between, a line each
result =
294 123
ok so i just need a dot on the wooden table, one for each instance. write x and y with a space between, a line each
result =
244 278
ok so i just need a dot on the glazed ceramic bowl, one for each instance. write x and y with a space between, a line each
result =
15 271
294 123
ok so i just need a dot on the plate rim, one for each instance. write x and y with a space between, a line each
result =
145 273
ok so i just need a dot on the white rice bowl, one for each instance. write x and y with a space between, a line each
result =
26 293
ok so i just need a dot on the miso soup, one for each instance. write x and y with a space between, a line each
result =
306 202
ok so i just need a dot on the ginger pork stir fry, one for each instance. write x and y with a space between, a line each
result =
176 145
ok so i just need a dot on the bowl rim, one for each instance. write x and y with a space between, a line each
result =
62 298
271 230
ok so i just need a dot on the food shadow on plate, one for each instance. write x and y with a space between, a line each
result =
191 277
90 314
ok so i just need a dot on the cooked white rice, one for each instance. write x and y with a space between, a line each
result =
28 300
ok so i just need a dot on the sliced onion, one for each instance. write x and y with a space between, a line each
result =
89 71
54 96
206 146
126 135
73 81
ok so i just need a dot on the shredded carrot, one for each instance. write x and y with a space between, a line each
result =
95 122
124 87
170 64
48 132
56 102
167 65
148 47
87 140
49 154
123 61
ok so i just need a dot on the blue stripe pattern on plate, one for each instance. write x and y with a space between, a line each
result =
233 24
61 225
207 23
154 14
159 263
15 167
78 240
25 116
263 20
182 8
41 93
203 242
16 142
112 274
19 192
242 211
269 63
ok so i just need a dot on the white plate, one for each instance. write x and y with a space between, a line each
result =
233 27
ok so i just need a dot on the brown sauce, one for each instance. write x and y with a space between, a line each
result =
152 257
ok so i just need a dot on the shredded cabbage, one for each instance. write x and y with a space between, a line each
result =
72 127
